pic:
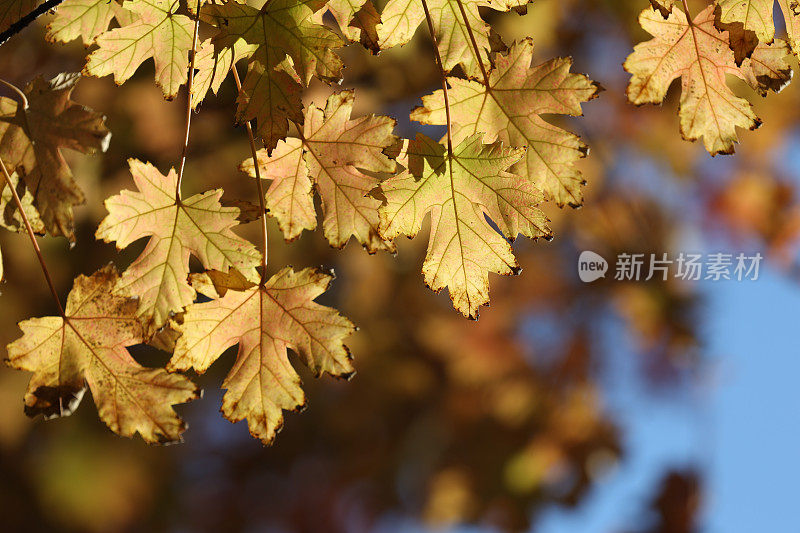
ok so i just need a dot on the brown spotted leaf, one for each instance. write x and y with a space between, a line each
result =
511 109
197 226
459 191
331 156
265 321
31 141
700 55
88 347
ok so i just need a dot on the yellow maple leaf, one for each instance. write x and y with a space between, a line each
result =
197 226
265 321
756 16
700 55
510 110
455 24
460 190
82 18
332 149
88 347
154 31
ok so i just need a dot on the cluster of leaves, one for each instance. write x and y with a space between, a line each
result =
481 186
735 37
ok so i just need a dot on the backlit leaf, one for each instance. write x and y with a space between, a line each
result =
281 28
82 18
197 226
459 191
265 321
701 56
88 347
156 32
331 155
510 110
401 18
31 141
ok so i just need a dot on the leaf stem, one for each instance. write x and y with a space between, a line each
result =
32 237
688 14
474 44
189 85
443 76
22 23
252 139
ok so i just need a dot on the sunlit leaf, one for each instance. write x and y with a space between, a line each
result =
88 347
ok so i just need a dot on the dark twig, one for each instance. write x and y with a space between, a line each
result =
22 23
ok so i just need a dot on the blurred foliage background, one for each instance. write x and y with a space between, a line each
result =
447 421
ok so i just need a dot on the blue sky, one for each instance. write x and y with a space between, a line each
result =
740 426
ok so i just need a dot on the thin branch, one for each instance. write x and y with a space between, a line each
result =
189 85
20 25
260 186
443 75
20 94
474 44
32 237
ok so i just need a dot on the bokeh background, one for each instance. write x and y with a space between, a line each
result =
626 407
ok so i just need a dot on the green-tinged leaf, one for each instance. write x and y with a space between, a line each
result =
281 28
156 32
459 191
510 110
197 226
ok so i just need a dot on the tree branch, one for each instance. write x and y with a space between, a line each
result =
22 23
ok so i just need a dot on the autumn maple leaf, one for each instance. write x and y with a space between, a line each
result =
332 149
357 20
460 190
510 110
455 24
701 56
83 18
265 321
87 347
280 28
756 16
197 226
154 30
31 140
272 97
213 65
